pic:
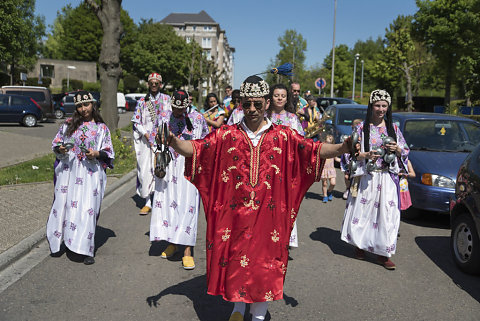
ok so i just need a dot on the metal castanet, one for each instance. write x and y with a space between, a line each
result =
163 156
354 137
389 157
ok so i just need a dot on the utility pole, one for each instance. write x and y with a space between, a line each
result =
333 49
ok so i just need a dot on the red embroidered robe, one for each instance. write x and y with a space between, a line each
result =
251 197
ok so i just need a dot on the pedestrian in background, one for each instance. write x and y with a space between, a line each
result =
233 107
372 214
214 113
405 200
144 131
329 174
84 150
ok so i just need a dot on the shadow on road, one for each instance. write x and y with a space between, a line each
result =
332 239
430 219
437 248
207 307
102 234
139 202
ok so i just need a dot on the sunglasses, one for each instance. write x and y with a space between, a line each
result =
295 91
257 104
154 83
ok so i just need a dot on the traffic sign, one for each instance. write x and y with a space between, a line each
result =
320 83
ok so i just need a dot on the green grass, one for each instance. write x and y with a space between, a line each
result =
23 173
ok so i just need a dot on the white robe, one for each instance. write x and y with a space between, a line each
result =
79 190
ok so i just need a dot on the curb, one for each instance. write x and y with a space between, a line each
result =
17 251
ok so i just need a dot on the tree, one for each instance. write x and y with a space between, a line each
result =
108 13
343 69
20 34
159 49
292 49
77 34
450 29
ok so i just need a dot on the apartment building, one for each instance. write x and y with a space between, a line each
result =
200 27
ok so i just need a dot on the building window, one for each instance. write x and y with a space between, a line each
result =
207 54
181 28
207 28
47 71
194 28
188 39
206 42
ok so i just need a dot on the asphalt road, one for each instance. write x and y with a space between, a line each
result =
20 143
129 281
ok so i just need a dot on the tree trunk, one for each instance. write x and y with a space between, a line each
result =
448 81
109 62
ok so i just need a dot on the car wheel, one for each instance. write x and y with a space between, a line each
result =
29 121
59 114
120 110
410 213
465 244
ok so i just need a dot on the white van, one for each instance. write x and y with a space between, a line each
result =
121 102
135 96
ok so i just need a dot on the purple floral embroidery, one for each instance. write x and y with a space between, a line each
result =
174 205
57 234
292 238
176 228
66 167
90 172
69 241
64 189
349 237
165 223
370 249
74 204
73 226
91 249
363 200
157 238
174 179
375 225
91 211
90 235
191 209
95 192
54 212
376 204
65 224
379 187
158 204
79 181
355 220
187 230
391 203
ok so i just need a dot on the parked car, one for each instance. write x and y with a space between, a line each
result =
135 96
131 103
438 144
338 119
328 101
41 95
465 215
121 103
21 109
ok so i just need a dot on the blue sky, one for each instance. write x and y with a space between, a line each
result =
253 27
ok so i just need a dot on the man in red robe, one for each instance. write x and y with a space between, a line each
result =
252 178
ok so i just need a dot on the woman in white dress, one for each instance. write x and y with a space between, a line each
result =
372 214
176 201
84 150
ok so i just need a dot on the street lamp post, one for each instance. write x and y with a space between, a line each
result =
293 59
361 84
333 48
68 75
354 71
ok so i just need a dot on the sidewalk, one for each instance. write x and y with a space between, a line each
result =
24 212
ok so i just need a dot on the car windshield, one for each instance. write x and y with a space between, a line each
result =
441 135
347 115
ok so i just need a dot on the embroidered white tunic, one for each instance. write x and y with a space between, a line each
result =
143 124
79 188
176 201
372 217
